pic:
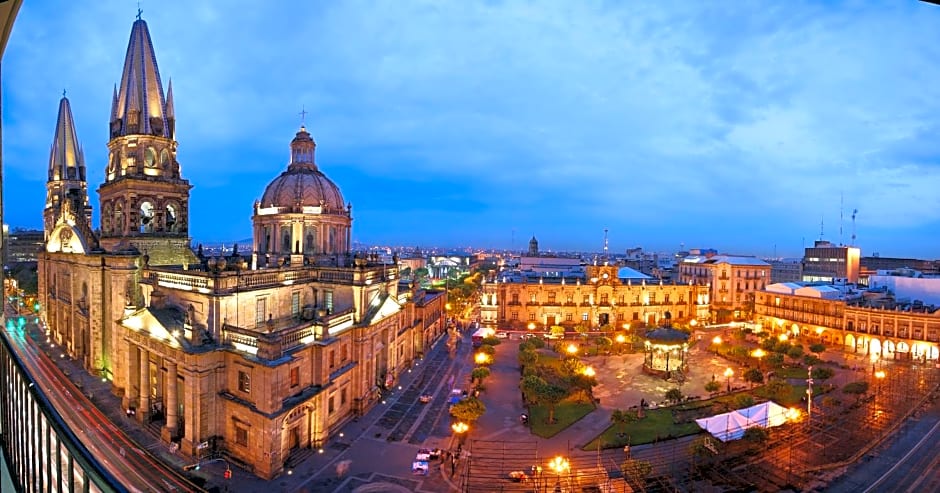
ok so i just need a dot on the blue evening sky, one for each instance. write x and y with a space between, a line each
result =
731 125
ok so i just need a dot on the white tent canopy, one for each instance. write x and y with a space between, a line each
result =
731 425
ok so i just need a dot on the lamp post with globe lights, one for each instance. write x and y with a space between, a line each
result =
561 466
728 374
716 342
758 353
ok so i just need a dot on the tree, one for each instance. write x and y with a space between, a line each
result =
468 410
756 434
550 395
856 389
754 376
778 389
581 329
528 358
572 365
622 418
702 447
492 341
604 343
774 359
421 272
582 383
822 373
817 348
811 359
479 373
712 386
536 342
487 349
674 395
637 470
795 352
530 387
739 352
768 344
742 401
557 331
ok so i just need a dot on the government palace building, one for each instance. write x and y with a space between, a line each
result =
258 354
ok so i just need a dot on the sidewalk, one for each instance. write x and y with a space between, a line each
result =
372 457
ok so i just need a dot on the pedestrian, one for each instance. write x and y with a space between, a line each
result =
342 467
453 466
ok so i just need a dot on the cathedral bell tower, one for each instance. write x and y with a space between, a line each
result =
66 188
144 199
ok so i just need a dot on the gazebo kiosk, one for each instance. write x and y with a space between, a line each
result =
666 351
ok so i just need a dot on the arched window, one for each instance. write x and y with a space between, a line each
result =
164 159
106 220
170 218
332 239
285 241
310 241
266 239
118 219
146 217
150 158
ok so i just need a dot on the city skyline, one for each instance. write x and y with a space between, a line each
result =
750 130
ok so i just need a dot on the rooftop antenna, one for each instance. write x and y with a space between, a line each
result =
822 226
841 208
606 257
854 212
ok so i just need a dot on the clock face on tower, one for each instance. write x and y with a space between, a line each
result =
605 275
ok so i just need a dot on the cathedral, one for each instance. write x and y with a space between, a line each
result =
257 355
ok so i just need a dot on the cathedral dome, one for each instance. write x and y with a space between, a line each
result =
302 185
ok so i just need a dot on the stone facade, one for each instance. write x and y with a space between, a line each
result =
875 332
600 299
254 357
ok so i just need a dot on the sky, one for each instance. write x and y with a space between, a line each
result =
750 127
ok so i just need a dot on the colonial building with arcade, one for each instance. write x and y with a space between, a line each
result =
260 353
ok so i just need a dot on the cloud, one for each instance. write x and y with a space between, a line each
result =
555 116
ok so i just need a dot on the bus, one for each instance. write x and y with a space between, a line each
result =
478 336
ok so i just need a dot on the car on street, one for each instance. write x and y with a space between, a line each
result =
502 335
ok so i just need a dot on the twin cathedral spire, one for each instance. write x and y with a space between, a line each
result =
144 201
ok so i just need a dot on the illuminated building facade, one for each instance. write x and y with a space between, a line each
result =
831 263
601 300
732 280
875 332
258 356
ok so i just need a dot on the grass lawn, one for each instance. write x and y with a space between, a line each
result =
790 372
657 424
567 413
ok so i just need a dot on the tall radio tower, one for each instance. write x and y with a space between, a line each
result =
606 257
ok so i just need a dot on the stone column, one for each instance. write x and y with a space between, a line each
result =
143 410
131 392
169 432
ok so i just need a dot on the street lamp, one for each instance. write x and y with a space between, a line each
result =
588 371
560 465
880 375
460 429
809 392
572 349
758 353
717 342
728 374
481 358
783 338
